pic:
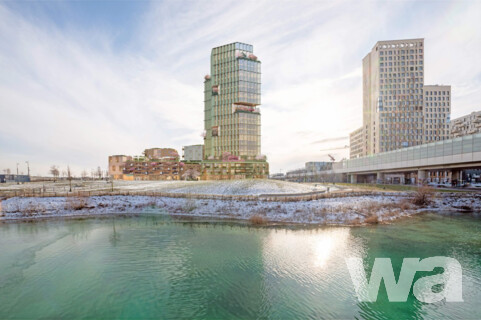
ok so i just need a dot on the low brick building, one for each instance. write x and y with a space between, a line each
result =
161 153
117 165
164 164
154 164
146 169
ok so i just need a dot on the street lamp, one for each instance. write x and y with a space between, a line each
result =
28 168
17 174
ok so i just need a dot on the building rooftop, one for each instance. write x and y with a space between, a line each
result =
238 45
398 41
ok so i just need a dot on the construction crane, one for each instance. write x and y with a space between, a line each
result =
332 158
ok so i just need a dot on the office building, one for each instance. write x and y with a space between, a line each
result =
232 118
436 112
393 80
232 95
399 111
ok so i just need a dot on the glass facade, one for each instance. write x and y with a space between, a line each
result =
232 94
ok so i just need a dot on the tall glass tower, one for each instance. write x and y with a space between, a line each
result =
232 94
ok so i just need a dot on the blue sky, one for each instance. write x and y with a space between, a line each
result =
81 80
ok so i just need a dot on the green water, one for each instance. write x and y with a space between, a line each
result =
149 267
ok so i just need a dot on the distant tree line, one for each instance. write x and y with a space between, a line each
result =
95 174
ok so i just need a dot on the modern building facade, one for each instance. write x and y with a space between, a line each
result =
232 94
193 152
466 125
358 143
232 128
437 112
393 80
232 118
399 111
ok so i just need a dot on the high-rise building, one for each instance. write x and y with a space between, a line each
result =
437 112
466 125
393 80
232 94
232 119
396 112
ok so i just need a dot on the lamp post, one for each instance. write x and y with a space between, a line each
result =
17 174
28 168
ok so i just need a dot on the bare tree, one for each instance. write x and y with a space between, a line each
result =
99 173
7 171
84 174
69 177
191 174
54 172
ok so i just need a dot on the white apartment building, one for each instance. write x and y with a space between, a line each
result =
437 112
466 125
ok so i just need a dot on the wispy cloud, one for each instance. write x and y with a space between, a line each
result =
327 140
69 94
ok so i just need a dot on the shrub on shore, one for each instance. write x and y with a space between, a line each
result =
372 219
75 203
257 220
423 196
190 205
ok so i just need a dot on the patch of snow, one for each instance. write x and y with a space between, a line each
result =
346 210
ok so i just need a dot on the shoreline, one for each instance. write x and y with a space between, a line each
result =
349 210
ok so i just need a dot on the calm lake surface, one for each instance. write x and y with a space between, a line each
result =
152 267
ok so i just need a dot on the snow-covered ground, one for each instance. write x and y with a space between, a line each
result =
347 210
225 187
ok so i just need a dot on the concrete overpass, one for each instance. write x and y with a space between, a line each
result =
414 163
451 155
